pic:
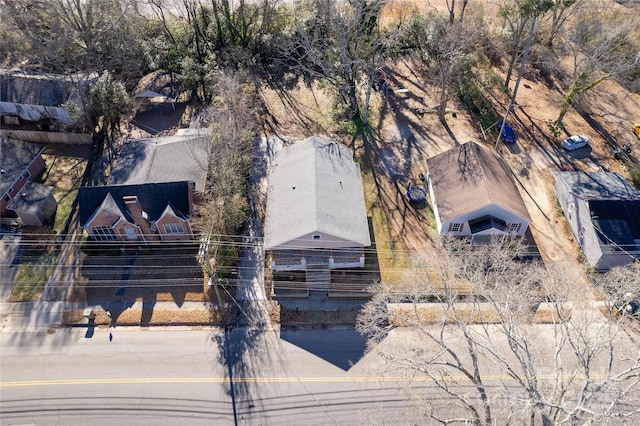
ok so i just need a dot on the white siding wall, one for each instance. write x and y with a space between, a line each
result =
493 210
434 205
324 241
578 215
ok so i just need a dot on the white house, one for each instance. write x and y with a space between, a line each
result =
474 194
315 208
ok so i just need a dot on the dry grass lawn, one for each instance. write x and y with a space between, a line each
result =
133 317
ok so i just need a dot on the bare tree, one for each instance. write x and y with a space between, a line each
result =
602 46
108 102
230 121
451 6
558 15
619 286
518 17
79 35
450 50
224 209
476 317
343 45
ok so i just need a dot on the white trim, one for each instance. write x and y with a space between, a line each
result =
170 230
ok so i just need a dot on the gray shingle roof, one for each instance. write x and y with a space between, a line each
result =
599 186
163 159
469 177
315 186
31 196
41 88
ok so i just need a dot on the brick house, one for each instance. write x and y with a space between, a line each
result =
141 214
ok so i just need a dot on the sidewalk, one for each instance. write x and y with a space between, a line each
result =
40 316
43 315
31 316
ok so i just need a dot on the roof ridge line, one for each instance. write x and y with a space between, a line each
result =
484 176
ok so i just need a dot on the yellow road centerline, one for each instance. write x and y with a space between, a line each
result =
213 380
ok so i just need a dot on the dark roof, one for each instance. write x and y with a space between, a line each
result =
38 89
153 197
619 220
487 222
613 203
15 158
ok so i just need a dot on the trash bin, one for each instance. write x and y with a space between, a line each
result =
89 314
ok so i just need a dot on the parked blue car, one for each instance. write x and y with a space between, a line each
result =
508 135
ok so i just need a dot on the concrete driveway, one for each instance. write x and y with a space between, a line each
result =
9 259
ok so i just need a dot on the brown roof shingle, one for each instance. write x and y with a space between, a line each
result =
468 177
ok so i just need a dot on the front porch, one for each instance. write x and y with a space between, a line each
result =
301 260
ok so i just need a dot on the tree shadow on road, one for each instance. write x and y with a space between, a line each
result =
243 352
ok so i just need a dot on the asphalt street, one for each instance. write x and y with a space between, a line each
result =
245 376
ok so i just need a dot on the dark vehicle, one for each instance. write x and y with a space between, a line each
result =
508 135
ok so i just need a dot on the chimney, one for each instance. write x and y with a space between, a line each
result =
135 208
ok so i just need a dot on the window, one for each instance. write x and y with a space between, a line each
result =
513 227
102 233
27 174
316 237
456 227
173 228
581 236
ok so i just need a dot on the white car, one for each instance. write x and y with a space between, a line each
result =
575 142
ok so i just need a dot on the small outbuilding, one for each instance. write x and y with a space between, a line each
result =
20 164
35 204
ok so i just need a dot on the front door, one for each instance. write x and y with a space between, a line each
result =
131 233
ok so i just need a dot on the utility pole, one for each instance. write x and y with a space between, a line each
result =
515 89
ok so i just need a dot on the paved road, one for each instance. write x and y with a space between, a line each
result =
194 377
